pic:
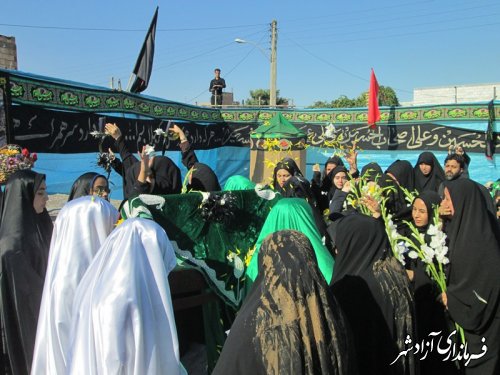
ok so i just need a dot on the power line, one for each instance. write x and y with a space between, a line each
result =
376 20
126 30
408 34
353 74
406 26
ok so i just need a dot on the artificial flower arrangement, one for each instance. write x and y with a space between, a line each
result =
14 158
106 160
218 207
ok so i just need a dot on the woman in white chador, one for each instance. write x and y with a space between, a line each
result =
80 229
123 321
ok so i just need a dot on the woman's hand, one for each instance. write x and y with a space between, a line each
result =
112 130
176 130
347 187
372 205
144 171
444 300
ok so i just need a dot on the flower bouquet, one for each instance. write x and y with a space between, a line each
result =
433 255
365 190
13 158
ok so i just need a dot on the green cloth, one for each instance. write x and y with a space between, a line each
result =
203 243
296 214
279 127
237 182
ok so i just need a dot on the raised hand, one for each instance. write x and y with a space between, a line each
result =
112 130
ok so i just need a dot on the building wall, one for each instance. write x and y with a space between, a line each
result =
8 52
456 94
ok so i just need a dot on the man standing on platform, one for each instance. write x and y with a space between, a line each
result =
216 86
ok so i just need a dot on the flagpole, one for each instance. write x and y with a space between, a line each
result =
132 76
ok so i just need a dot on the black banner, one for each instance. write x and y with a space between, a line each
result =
425 136
53 131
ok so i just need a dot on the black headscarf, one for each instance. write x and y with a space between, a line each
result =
371 171
83 185
430 312
24 250
204 178
326 181
330 177
299 187
434 178
332 160
430 199
289 322
289 165
396 202
167 177
474 252
402 170
373 291
473 285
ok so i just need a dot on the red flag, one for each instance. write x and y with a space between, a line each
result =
373 111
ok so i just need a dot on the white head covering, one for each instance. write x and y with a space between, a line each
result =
80 229
123 321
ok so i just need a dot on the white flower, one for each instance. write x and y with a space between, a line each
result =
222 202
98 134
400 258
330 131
150 151
441 258
413 254
433 230
402 247
205 196
428 254
159 132
239 267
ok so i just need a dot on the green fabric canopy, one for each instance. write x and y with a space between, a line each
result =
296 214
279 127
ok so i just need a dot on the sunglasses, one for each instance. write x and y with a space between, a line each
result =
99 190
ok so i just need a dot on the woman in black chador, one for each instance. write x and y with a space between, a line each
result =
283 171
428 172
289 322
24 249
430 312
373 290
321 183
473 293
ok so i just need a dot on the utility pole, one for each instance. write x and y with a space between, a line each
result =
272 84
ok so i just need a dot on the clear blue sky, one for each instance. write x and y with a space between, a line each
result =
325 49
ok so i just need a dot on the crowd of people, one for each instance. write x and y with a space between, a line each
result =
325 292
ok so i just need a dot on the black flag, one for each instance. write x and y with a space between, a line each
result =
490 142
144 64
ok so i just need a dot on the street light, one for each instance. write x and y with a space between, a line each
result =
264 52
272 59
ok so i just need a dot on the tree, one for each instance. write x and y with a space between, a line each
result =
261 97
343 102
387 97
